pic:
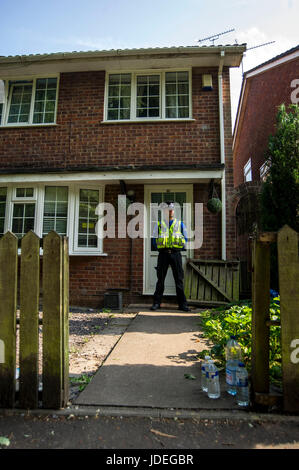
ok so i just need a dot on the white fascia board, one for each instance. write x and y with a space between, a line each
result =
113 176
239 112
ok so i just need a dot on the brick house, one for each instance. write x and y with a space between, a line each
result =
81 128
263 89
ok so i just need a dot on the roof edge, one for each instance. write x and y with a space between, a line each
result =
123 53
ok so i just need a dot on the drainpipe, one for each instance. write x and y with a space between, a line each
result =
222 157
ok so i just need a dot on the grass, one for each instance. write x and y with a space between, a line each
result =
83 380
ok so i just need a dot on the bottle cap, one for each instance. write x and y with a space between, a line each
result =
233 337
241 364
207 358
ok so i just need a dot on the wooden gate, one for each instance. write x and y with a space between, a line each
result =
288 273
53 392
211 281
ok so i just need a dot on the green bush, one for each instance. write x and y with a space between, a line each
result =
218 324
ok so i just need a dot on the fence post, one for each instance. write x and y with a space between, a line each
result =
8 304
52 321
260 314
65 321
288 264
29 321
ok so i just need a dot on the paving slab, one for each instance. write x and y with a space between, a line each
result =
147 366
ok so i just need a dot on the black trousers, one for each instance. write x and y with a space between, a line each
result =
174 259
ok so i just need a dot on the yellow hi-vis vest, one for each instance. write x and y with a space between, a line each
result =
170 237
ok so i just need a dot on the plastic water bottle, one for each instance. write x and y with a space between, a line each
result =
242 385
204 365
212 376
233 357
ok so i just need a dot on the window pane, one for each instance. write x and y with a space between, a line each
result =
89 199
183 112
119 96
45 100
23 219
20 103
49 117
55 209
177 94
148 96
124 114
171 112
3 192
24 192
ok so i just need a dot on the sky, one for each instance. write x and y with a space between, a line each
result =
36 27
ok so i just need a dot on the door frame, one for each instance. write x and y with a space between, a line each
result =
148 189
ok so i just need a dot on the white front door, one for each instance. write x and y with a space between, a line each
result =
180 193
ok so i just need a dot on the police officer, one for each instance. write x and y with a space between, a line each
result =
170 237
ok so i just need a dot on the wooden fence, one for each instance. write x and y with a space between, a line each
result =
54 360
211 281
288 271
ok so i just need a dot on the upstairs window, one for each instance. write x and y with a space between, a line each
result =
148 96
20 102
119 96
29 102
177 94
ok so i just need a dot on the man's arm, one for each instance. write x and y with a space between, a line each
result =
184 231
154 237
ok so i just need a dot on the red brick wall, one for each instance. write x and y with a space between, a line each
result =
80 140
266 92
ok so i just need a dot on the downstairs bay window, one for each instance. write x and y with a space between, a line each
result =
70 210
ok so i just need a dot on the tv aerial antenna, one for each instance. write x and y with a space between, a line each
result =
255 47
215 37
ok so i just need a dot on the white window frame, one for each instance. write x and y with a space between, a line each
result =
133 107
79 249
72 216
7 102
247 171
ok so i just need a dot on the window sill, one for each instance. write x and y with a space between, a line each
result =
41 252
145 121
13 126
87 254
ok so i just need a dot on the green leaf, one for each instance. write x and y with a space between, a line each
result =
189 376
4 441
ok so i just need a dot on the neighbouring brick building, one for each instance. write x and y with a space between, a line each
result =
77 129
263 90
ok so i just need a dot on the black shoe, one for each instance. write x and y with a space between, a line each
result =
155 307
185 308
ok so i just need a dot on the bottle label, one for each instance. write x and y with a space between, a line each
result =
230 377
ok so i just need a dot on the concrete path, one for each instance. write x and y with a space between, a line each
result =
147 367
